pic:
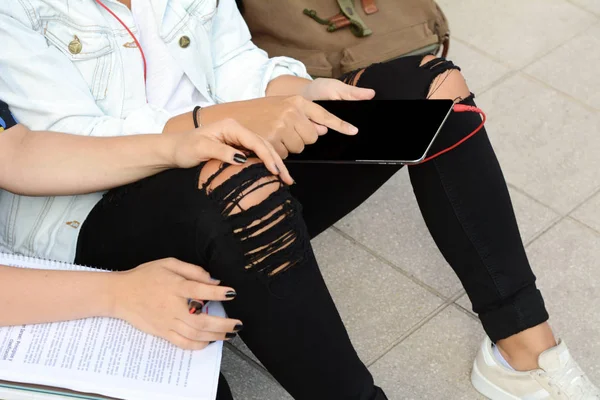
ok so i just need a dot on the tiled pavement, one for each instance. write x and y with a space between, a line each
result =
534 65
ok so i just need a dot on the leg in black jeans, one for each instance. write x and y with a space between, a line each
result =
463 198
246 229
223 390
462 195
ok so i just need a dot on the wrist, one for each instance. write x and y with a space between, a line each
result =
209 114
117 291
166 149
113 288
287 85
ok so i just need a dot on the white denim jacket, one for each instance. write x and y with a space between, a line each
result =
69 66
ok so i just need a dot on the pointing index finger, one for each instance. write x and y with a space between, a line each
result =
321 116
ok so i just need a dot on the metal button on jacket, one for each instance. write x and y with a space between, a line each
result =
184 42
75 46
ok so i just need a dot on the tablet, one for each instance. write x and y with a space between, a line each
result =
390 132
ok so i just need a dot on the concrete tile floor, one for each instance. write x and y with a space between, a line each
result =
534 67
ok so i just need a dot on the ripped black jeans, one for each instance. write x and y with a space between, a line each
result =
290 321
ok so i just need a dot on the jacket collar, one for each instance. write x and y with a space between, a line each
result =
159 6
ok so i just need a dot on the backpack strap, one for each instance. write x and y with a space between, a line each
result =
357 25
6 118
347 17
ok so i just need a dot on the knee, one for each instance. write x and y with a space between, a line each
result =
353 77
259 209
449 84
242 187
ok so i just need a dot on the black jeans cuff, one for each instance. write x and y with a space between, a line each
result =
524 311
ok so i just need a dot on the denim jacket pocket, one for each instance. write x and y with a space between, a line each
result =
89 49
204 10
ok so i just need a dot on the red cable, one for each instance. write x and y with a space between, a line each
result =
139 46
461 108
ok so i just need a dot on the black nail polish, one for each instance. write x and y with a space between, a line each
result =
231 294
230 335
238 328
240 158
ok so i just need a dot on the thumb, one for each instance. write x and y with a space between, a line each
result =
349 92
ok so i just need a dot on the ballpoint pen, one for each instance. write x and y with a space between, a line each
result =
195 306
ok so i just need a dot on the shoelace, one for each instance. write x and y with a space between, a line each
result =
573 382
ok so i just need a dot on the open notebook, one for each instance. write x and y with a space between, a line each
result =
99 358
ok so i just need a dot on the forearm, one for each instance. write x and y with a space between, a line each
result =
49 163
284 85
180 123
30 296
287 85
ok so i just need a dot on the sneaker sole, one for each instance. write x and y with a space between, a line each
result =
487 388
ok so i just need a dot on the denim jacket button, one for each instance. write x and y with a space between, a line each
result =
75 46
184 42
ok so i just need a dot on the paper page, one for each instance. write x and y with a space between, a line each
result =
109 357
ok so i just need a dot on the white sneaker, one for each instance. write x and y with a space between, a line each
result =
559 377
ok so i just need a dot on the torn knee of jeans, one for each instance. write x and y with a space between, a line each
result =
263 215
443 71
353 77
438 65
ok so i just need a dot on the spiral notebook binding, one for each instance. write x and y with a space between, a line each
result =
25 261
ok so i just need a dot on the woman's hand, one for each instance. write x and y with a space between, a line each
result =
333 89
287 122
223 141
154 298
